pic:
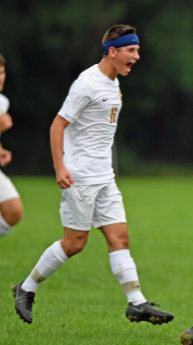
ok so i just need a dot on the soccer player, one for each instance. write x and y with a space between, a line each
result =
11 209
84 131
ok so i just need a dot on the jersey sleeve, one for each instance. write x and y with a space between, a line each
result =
78 98
4 104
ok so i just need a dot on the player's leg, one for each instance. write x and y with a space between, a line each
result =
122 265
186 337
11 208
124 269
109 217
53 257
74 216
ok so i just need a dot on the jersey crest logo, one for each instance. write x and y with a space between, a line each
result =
113 114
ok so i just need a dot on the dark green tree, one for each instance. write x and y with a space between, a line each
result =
47 44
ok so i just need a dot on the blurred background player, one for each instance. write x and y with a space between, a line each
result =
84 129
11 209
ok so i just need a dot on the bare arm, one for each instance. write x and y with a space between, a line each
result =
5 122
63 177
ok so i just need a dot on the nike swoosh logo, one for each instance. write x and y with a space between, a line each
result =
17 294
139 310
18 297
105 99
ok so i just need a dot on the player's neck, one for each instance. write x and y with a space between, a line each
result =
107 68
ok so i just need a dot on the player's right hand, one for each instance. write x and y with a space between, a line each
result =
5 122
64 178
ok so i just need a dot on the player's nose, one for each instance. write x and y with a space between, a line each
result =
136 56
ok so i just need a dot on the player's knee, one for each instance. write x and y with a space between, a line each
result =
79 246
125 241
14 213
80 243
74 245
74 249
122 237
18 214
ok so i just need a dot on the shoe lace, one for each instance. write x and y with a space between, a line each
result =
154 304
30 300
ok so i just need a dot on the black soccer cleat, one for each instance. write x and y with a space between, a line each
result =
23 302
186 337
147 312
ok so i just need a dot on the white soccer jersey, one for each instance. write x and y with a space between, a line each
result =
4 104
92 107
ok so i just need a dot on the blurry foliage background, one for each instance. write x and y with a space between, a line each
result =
47 44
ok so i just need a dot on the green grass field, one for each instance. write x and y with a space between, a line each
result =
82 303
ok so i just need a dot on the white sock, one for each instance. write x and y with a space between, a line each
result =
5 228
30 285
50 261
124 269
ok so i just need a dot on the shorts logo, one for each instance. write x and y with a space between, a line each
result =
113 114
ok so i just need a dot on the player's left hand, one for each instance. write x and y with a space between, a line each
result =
5 157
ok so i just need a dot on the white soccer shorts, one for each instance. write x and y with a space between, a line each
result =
7 189
82 206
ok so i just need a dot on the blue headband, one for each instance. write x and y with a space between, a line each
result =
123 41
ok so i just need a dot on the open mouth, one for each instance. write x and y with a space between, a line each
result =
128 66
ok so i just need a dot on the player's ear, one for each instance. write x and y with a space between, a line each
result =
112 52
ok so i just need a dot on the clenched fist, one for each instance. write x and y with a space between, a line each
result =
5 157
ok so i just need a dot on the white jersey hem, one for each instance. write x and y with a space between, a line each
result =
89 182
